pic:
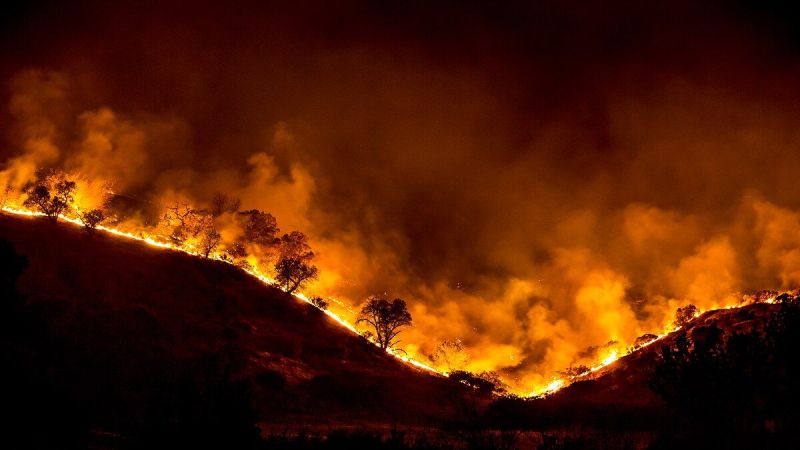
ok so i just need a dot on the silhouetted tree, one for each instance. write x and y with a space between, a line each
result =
259 227
91 219
386 318
485 382
236 250
734 390
221 204
186 222
209 240
51 194
292 273
319 302
295 245
685 315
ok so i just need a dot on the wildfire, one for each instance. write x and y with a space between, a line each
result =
609 359
162 243
557 384
551 387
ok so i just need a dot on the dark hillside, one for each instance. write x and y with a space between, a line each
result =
138 331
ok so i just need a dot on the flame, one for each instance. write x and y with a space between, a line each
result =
553 386
609 359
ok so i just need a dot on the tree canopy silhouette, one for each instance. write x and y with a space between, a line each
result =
51 194
259 227
91 219
221 204
295 245
209 240
291 273
685 315
185 221
294 264
386 318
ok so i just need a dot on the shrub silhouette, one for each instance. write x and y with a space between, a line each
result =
319 302
91 219
51 194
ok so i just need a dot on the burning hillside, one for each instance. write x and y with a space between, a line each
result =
283 261
181 217
726 378
536 181
132 317
188 230
121 312
509 197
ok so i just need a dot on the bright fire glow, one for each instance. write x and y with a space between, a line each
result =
552 386
610 358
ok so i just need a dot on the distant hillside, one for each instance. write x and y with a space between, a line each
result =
135 324
727 379
626 381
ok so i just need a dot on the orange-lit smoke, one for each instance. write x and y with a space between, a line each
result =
544 210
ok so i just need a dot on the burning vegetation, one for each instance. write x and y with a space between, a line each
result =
257 246
533 190
525 200
253 243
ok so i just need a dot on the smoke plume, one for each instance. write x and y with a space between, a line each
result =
536 181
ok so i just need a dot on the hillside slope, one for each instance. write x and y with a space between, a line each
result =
133 322
727 379
626 382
